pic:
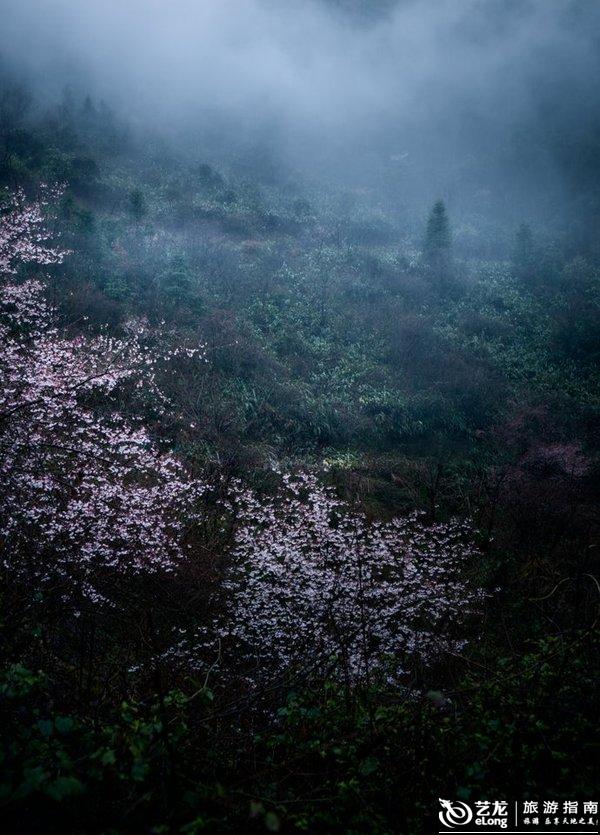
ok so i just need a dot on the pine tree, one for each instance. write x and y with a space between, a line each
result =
137 204
438 243
523 259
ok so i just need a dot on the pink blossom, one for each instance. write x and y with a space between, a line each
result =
84 488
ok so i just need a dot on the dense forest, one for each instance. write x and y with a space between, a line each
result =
299 398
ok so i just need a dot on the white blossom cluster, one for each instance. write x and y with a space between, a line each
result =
83 486
313 583
24 237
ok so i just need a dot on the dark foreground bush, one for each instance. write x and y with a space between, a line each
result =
327 761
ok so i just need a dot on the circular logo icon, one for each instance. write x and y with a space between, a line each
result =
455 813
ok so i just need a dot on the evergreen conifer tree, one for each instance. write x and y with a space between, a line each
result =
523 259
437 247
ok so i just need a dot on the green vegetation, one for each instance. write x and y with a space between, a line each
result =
449 380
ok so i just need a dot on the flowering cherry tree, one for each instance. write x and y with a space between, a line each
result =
83 487
314 583
24 236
